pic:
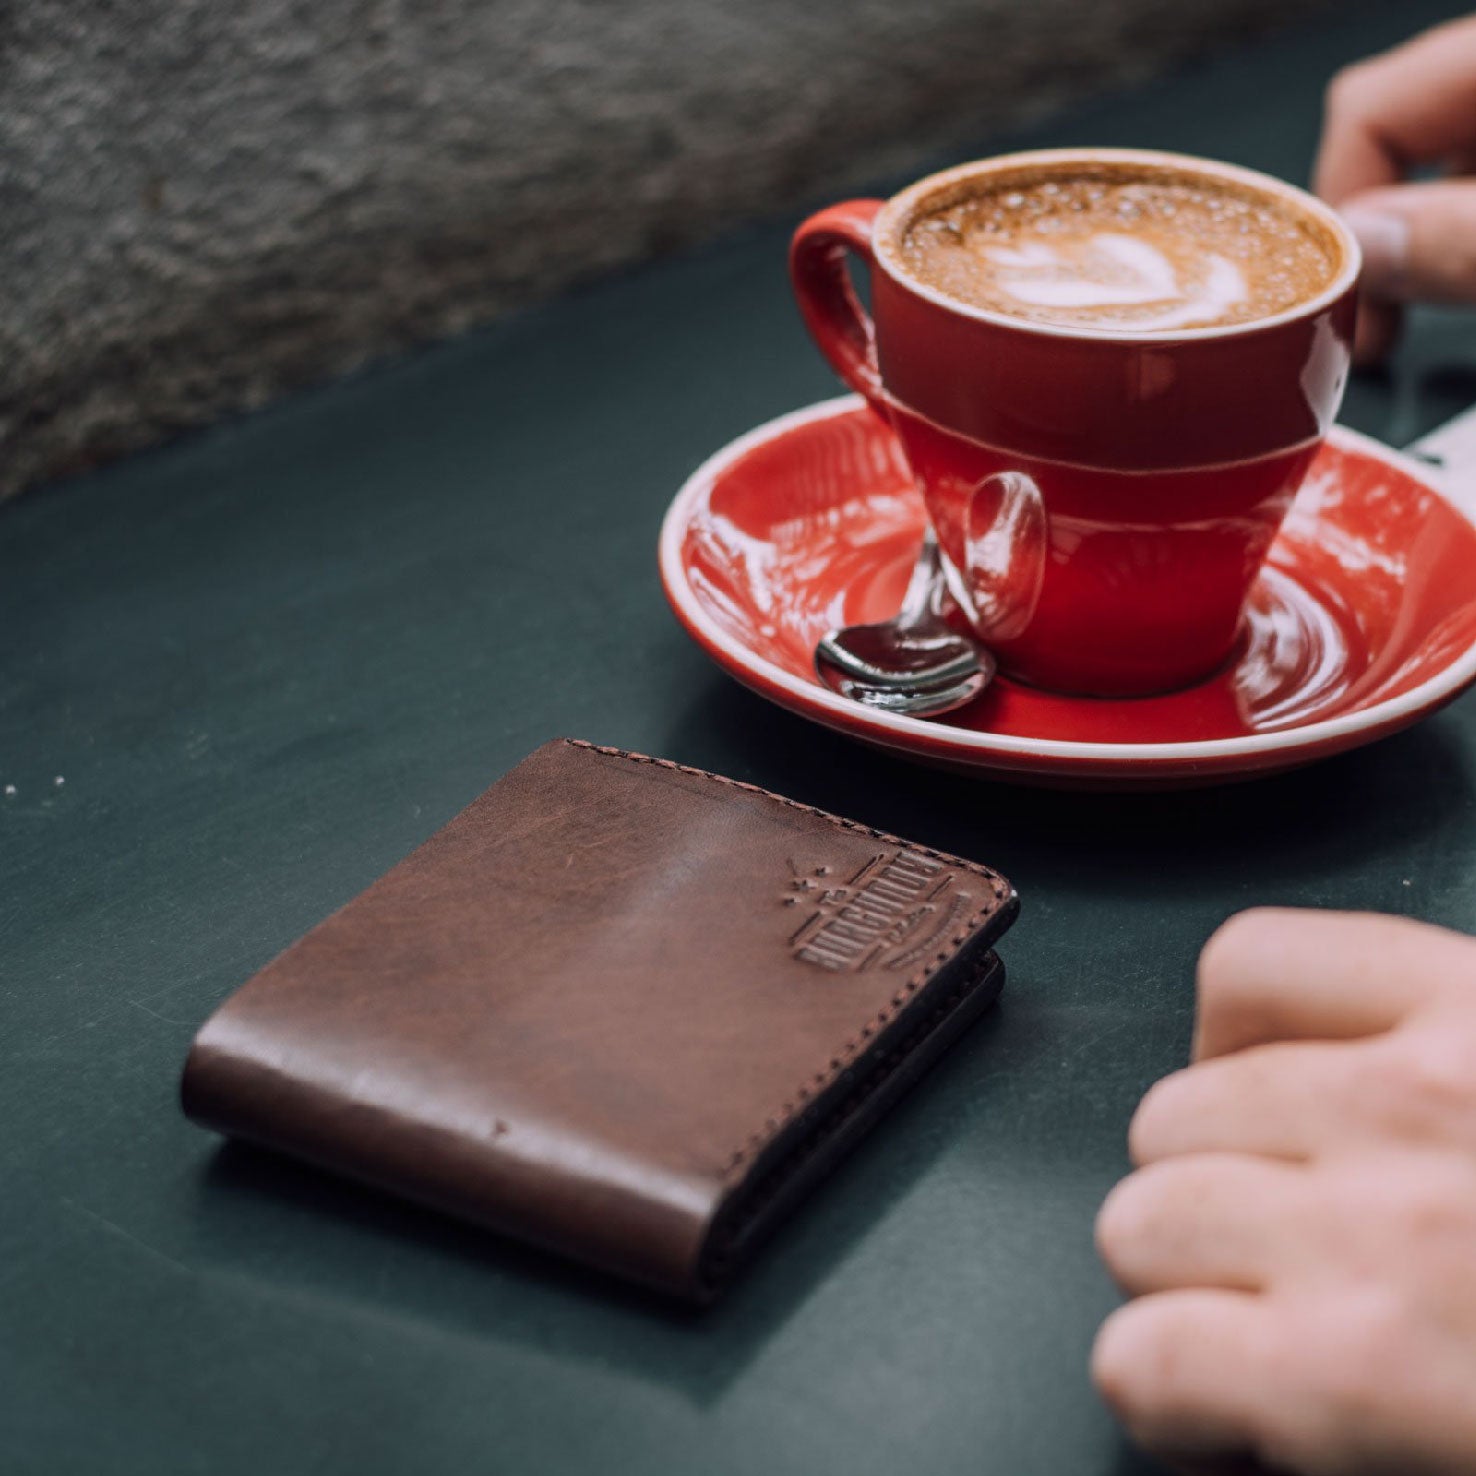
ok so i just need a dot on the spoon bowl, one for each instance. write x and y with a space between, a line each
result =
914 663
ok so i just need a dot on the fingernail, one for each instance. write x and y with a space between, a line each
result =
1383 238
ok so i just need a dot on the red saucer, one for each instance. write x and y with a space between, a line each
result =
1363 621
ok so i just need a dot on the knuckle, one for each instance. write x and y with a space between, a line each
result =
1112 1363
1120 1221
1144 1213
1235 939
1150 1130
1360 1342
1426 1082
1431 1209
1337 1358
1403 1221
1232 969
1132 1360
1148 1365
1348 88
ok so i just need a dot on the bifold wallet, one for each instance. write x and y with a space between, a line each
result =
622 1009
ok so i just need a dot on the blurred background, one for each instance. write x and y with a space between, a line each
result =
203 205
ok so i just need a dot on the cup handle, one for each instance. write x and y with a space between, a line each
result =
838 323
1004 535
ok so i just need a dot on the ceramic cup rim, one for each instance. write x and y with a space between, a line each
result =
887 230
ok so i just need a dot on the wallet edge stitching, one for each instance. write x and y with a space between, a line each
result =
837 820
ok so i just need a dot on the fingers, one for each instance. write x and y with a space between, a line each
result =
1192 1373
1282 974
1418 240
1409 106
1285 1100
1223 1220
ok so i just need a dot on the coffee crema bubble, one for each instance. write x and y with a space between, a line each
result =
1131 251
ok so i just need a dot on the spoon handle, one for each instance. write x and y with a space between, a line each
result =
917 603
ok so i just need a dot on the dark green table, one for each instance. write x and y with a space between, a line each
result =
269 660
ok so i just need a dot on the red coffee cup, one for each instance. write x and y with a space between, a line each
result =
1103 498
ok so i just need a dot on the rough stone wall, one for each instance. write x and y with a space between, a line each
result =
202 204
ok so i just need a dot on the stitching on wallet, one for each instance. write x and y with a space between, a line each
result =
717 1265
823 1079
992 877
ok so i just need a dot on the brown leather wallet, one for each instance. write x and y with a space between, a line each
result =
623 1009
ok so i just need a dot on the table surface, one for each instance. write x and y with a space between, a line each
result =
242 676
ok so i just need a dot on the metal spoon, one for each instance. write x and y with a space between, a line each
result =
913 663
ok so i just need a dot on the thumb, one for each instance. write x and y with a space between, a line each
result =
1418 240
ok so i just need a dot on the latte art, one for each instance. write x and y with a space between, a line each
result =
1118 250
1108 271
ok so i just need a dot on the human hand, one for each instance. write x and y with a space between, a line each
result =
1300 1236
1413 106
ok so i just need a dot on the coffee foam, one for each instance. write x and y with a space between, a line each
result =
1124 247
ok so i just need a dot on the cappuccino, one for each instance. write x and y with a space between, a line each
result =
1118 247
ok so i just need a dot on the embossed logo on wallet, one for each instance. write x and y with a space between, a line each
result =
897 908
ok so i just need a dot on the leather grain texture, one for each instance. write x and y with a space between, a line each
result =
623 1009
